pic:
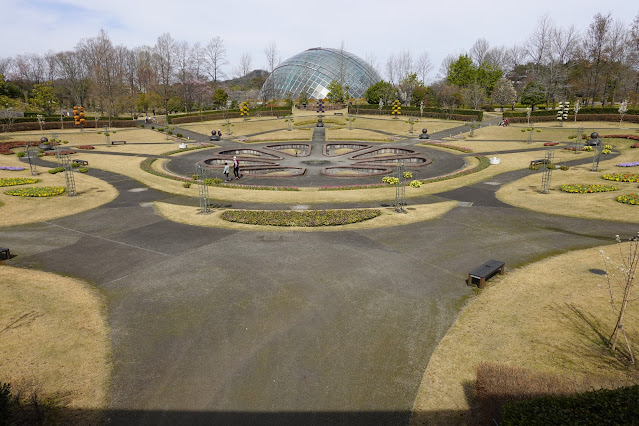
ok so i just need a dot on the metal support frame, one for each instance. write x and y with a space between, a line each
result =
596 156
578 141
202 188
65 160
31 156
400 189
547 173
530 133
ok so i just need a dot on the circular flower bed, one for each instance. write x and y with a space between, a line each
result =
38 191
586 189
308 218
621 177
17 181
629 199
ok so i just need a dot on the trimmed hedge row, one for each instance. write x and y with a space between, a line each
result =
53 118
580 117
553 112
15 127
224 115
214 111
456 114
601 407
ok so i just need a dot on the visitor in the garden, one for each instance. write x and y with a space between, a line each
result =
236 168
226 171
219 133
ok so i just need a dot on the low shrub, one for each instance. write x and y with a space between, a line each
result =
604 406
309 218
551 143
586 189
416 184
179 135
56 170
85 147
83 169
588 148
20 154
390 180
407 175
564 167
186 184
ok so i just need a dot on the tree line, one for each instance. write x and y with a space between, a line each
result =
596 65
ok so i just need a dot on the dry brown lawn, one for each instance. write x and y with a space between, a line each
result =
414 213
54 334
92 192
545 317
525 192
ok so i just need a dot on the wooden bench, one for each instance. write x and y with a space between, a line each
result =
485 271
5 252
81 162
538 162
118 142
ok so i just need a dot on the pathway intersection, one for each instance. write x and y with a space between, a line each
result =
215 325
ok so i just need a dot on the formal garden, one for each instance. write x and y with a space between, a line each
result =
497 328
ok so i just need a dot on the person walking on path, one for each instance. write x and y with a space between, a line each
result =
236 168
226 171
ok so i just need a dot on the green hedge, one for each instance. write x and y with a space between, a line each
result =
414 111
600 407
584 111
219 111
54 119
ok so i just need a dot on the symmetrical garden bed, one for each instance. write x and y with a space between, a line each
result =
621 177
310 218
632 199
38 191
586 189
17 181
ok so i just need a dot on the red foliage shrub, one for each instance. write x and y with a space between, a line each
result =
5 147
85 147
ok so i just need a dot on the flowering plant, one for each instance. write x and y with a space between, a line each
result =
632 199
37 191
17 181
621 177
15 169
586 189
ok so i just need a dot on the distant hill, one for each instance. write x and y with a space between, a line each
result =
251 81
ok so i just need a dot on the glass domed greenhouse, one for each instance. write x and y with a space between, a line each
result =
313 70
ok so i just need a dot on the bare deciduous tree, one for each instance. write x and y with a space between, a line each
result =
164 61
620 278
272 60
215 54
423 66
479 50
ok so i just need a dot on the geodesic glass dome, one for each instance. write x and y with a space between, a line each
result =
314 69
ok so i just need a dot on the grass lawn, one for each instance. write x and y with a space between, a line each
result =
544 317
92 192
414 213
54 338
525 193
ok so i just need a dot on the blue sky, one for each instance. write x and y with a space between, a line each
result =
366 28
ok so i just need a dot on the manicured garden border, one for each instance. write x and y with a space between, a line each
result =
17 181
37 191
586 189
308 218
632 199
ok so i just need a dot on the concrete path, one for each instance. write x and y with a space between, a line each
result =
222 326
243 327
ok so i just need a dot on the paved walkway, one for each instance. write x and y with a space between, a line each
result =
222 326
